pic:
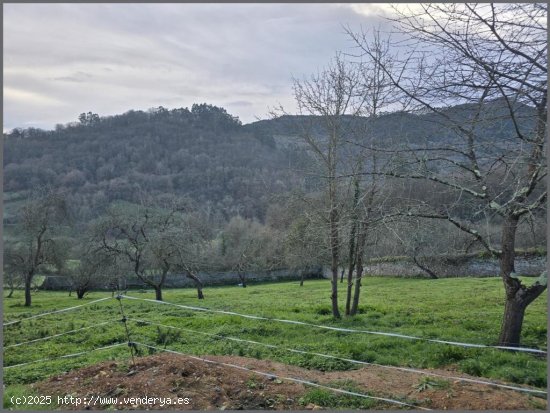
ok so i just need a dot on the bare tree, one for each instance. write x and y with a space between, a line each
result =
368 208
189 242
93 270
492 60
304 246
296 224
137 235
369 211
248 246
424 241
39 245
335 98
13 277
345 100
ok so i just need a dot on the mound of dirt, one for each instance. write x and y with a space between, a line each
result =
171 381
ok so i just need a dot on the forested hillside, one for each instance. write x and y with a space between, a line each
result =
203 153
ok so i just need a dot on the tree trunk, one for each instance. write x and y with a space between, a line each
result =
334 260
357 292
352 247
510 332
198 284
242 277
11 283
512 322
80 293
351 268
349 289
361 240
518 296
302 278
28 292
432 274
158 292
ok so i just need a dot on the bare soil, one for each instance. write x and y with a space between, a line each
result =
213 387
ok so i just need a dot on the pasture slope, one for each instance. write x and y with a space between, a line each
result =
460 309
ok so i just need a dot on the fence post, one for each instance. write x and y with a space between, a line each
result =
124 320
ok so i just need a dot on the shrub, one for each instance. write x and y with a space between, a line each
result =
167 336
473 367
427 383
323 310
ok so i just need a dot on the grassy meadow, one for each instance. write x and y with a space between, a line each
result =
454 309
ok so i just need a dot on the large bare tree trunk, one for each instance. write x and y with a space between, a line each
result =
513 312
518 296
158 292
80 292
512 323
28 291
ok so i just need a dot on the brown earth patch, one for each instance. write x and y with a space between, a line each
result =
212 387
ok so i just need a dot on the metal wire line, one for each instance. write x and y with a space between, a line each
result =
60 334
348 330
66 355
57 311
293 379
406 369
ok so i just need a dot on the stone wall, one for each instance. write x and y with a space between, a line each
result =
208 279
459 266
444 267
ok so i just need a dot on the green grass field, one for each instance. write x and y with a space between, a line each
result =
458 309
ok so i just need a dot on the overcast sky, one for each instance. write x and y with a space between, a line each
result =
64 59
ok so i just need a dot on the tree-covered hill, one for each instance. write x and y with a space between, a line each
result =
203 153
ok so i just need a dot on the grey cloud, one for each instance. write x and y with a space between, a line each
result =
111 58
240 103
78 77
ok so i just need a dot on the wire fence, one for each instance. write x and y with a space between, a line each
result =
56 311
346 330
60 334
132 344
293 379
365 363
66 355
